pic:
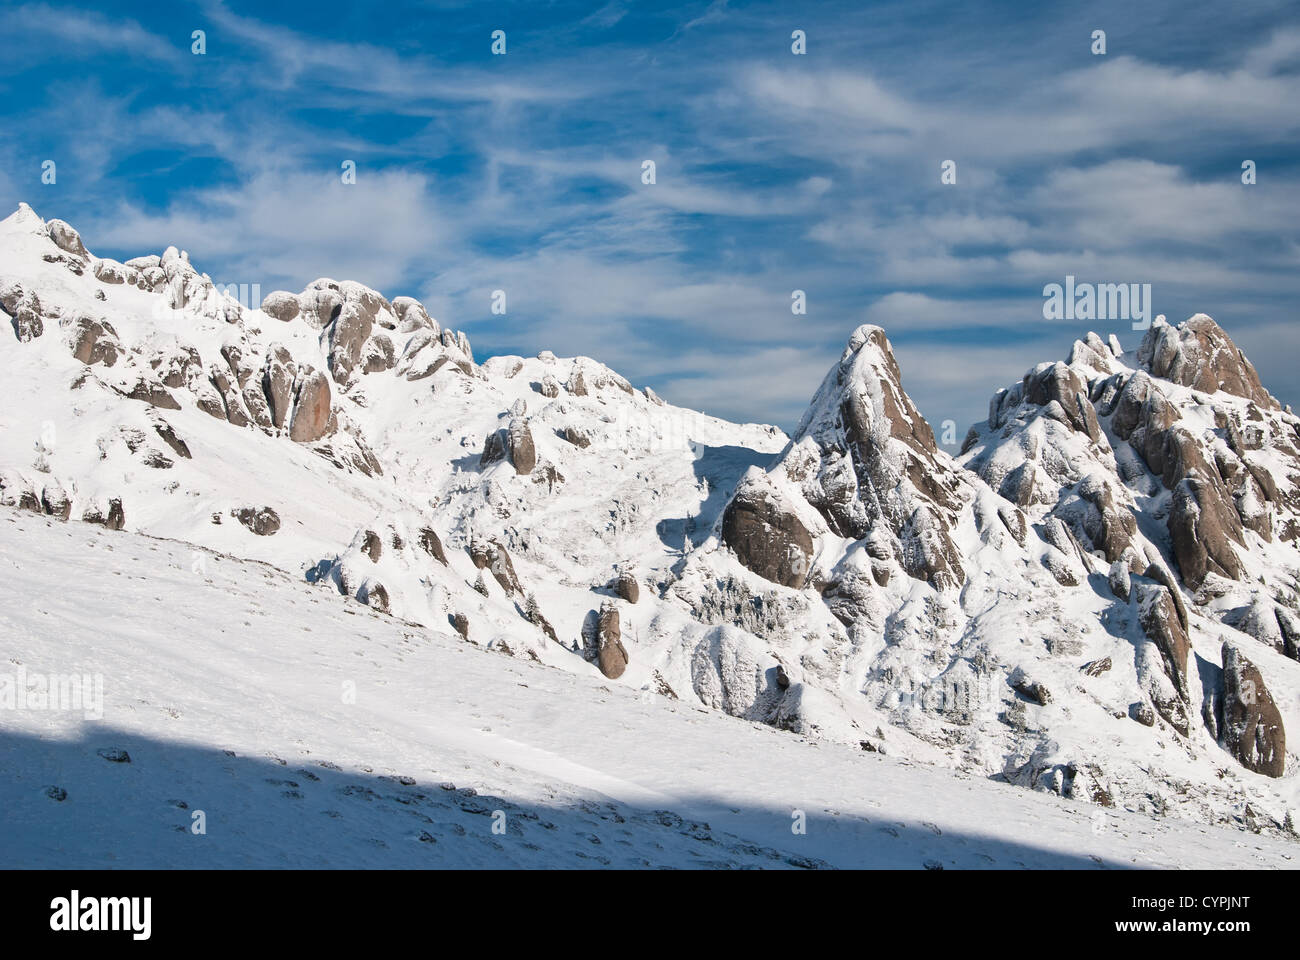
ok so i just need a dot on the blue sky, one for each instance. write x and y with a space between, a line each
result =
774 172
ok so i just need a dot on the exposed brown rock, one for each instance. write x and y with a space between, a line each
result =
494 557
67 238
1203 528
577 436
92 341
519 443
1252 724
281 305
612 656
767 536
311 408
1159 619
625 586
1198 354
431 545
262 521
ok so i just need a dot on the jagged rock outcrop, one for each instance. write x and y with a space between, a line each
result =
611 655
1158 617
1252 724
92 341
1199 354
520 446
431 545
262 521
766 534
490 555
311 419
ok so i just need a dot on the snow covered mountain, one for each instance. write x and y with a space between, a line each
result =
1097 599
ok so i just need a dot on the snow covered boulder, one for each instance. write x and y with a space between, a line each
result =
611 655
1252 724
281 305
262 521
766 534
519 444
110 271
66 238
106 513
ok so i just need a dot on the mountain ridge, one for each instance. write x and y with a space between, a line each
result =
1114 543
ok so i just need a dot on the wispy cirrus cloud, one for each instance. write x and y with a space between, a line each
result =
774 172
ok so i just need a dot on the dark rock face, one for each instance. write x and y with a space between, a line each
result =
312 418
262 521
1203 525
114 517
93 341
493 556
1159 619
1252 724
372 546
611 655
767 537
1198 354
494 448
431 545
460 623
625 586
519 443
577 436
169 437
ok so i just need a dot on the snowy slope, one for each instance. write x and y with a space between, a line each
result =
1084 603
224 682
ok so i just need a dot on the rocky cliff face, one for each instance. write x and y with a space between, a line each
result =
1097 598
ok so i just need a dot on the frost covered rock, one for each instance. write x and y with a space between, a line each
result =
311 418
766 534
92 341
1252 725
1159 619
611 655
262 521
1198 354
281 305
519 445
66 238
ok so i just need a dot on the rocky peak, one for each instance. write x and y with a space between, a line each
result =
1199 354
865 460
